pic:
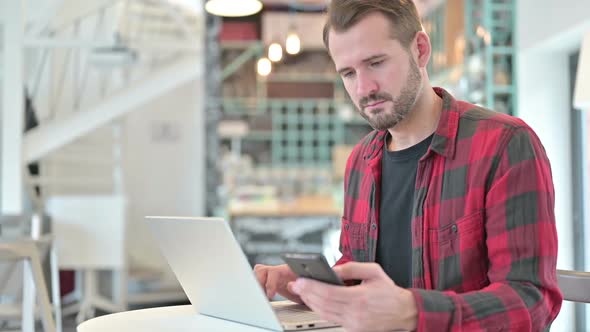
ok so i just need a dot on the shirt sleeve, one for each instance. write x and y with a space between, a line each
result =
521 240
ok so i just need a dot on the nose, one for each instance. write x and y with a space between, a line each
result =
366 85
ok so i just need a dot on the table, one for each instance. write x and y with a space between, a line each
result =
173 318
308 224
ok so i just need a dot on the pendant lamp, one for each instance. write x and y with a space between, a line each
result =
233 8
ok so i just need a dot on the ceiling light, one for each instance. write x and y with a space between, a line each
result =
264 67
275 52
293 43
233 8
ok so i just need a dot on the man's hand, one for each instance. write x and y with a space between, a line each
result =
274 279
377 304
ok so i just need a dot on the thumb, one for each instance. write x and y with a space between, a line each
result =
358 271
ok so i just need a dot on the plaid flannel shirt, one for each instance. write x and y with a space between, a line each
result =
483 227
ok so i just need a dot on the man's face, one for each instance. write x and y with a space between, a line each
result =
379 74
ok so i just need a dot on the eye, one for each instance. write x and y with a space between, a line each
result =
348 74
376 63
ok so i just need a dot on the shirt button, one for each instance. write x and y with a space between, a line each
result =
454 228
373 226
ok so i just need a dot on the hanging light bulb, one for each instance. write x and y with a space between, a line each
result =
275 52
233 8
293 43
263 67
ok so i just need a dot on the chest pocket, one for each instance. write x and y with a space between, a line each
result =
458 254
357 235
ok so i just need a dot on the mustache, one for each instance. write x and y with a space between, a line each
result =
375 97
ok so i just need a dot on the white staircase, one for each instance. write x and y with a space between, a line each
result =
92 63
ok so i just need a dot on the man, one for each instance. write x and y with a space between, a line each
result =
448 219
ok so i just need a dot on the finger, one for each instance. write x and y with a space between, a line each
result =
272 283
261 272
358 271
290 287
333 293
327 311
293 297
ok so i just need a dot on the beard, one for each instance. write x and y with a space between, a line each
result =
382 119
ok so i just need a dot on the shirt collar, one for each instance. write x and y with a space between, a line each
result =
445 135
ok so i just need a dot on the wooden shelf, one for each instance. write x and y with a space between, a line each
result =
302 206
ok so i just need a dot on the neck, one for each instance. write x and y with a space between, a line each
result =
420 122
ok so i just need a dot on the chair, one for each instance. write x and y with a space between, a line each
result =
29 250
574 285
91 236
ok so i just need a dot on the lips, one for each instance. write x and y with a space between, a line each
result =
375 104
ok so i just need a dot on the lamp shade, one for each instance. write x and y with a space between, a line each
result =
275 52
582 91
263 67
233 8
293 43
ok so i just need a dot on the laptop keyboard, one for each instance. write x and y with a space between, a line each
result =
296 314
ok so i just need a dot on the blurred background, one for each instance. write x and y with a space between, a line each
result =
111 110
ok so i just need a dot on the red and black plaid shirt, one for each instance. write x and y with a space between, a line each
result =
483 226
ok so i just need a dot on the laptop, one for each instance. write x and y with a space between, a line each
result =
217 278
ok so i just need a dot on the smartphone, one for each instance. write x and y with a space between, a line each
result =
313 266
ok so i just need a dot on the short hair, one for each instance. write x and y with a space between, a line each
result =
402 15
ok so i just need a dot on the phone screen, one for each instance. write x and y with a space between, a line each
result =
313 266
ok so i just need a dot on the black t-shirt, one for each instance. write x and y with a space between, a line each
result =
398 179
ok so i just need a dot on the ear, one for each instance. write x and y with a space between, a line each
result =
421 48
